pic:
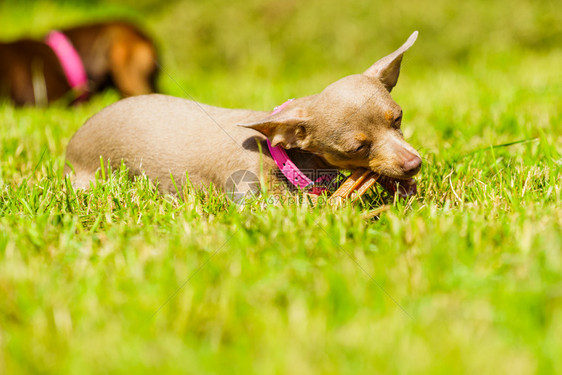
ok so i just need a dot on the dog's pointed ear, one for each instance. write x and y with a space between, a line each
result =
287 129
387 69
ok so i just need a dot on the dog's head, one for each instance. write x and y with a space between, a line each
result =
352 123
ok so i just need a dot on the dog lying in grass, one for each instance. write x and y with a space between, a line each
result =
353 123
77 62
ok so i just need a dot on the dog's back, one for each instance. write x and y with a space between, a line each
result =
30 73
160 136
113 53
117 54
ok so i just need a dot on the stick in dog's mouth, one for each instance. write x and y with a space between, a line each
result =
362 180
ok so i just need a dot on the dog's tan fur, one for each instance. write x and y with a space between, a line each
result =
352 123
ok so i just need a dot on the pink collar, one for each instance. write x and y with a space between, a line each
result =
70 61
290 170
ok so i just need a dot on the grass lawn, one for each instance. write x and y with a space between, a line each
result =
464 278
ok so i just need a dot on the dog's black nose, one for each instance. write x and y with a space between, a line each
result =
412 165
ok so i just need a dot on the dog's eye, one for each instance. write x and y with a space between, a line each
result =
358 149
398 121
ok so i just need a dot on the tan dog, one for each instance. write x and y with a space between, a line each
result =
352 123
114 54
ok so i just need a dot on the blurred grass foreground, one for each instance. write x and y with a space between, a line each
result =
465 278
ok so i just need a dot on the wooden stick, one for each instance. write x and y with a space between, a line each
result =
345 190
359 182
367 183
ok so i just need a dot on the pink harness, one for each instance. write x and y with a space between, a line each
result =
70 61
290 170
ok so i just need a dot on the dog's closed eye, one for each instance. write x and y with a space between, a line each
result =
357 150
397 121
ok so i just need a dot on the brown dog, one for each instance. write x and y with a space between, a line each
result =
352 123
114 54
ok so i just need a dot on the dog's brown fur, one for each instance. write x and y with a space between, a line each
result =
352 123
114 54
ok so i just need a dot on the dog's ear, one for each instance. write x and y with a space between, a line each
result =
387 69
287 129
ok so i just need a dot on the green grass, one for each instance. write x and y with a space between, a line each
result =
465 278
